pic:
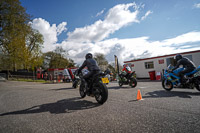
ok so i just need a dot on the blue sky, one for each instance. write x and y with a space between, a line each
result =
130 29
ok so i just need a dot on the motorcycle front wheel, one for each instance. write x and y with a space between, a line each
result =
75 84
100 92
197 87
197 84
120 83
133 82
82 90
167 85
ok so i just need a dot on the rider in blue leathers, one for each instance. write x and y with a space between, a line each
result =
186 63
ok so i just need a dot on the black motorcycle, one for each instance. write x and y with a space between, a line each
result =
93 87
129 80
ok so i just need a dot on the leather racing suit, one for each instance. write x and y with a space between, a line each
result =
187 64
92 66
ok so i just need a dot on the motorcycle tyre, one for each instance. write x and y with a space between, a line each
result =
196 82
103 90
82 91
120 83
197 87
170 83
75 84
133 82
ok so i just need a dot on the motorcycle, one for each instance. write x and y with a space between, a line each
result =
93 87
171 79
130 80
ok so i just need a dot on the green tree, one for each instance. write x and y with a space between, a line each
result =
34 43
71 63
101 60
103 63
57 59
112 69
19 43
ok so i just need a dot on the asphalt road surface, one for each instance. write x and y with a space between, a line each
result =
27 107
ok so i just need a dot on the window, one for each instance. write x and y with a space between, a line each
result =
171 61
189 57
149 65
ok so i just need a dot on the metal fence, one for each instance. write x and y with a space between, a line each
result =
21 77
50 79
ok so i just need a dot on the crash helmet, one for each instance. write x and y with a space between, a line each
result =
178 57
125 65
88 55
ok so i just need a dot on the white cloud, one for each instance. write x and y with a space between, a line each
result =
117 17
190 37
50 32
133 48
100 13
197 5
61 27
147 14
92 38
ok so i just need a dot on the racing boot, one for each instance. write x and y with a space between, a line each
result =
179 85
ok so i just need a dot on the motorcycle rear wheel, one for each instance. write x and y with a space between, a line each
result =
133 82
100 93
167 85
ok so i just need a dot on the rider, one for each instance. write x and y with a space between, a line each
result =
107 71
92 66
127 70
186 63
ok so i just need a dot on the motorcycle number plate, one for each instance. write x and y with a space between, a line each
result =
105 80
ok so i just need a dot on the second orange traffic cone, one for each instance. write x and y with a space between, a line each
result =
139 96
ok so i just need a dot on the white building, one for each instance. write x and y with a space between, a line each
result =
142 67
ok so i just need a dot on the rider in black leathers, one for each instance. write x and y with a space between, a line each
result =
187 64
92 66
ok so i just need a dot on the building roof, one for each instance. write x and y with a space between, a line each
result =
161 56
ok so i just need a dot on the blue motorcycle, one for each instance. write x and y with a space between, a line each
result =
172 80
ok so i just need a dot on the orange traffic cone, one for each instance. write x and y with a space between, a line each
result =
139 96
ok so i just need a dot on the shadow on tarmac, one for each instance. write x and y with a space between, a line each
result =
113 87
61 106
163 93
60 89
118 87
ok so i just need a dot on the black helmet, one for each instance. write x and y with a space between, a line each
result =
178 57
88 55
